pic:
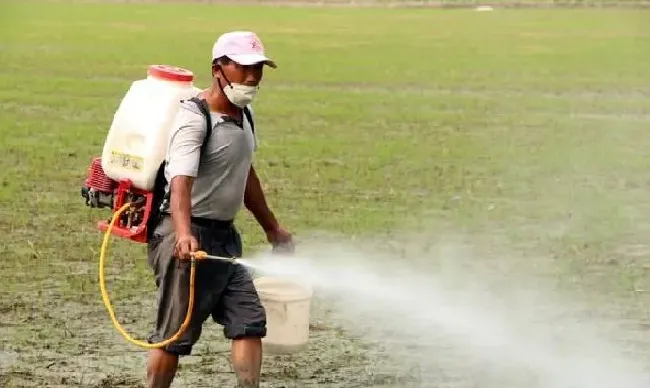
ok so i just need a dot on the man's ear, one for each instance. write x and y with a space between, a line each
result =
215 67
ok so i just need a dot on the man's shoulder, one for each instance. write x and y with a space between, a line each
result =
190 115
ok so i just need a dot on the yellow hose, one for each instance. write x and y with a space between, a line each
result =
107 302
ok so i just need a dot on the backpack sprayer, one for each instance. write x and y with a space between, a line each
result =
128 178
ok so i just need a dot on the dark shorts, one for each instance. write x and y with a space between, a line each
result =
222 290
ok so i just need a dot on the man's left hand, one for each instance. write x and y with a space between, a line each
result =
281 239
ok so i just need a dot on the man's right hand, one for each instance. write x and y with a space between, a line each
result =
186 244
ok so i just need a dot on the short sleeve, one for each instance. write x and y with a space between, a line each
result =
185 140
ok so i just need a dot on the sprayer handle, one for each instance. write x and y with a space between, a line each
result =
199 255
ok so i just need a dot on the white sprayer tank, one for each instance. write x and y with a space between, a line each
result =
287 303
136 143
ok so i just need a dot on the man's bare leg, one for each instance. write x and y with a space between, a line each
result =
161 368
246 359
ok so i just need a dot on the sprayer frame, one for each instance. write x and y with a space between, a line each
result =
141 201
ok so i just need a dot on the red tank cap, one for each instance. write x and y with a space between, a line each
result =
170 73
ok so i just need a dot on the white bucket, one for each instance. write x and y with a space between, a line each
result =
287 302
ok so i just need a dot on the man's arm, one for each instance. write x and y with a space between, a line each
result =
255 202
182 166
180 203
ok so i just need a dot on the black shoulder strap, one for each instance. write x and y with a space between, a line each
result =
249 117
205 109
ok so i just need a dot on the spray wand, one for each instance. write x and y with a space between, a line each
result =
202 255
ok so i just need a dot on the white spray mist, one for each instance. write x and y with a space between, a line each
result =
462 319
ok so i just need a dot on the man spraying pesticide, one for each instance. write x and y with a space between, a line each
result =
184 210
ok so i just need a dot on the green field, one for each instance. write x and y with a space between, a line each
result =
525 129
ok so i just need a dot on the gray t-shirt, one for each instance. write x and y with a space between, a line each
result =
221 172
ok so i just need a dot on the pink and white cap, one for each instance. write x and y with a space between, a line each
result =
243 47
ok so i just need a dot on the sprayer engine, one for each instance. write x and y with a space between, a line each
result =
100 191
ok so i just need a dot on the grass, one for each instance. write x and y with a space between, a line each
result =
530 123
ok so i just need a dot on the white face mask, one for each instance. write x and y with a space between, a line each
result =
239 94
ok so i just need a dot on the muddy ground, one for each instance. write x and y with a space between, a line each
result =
360 341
